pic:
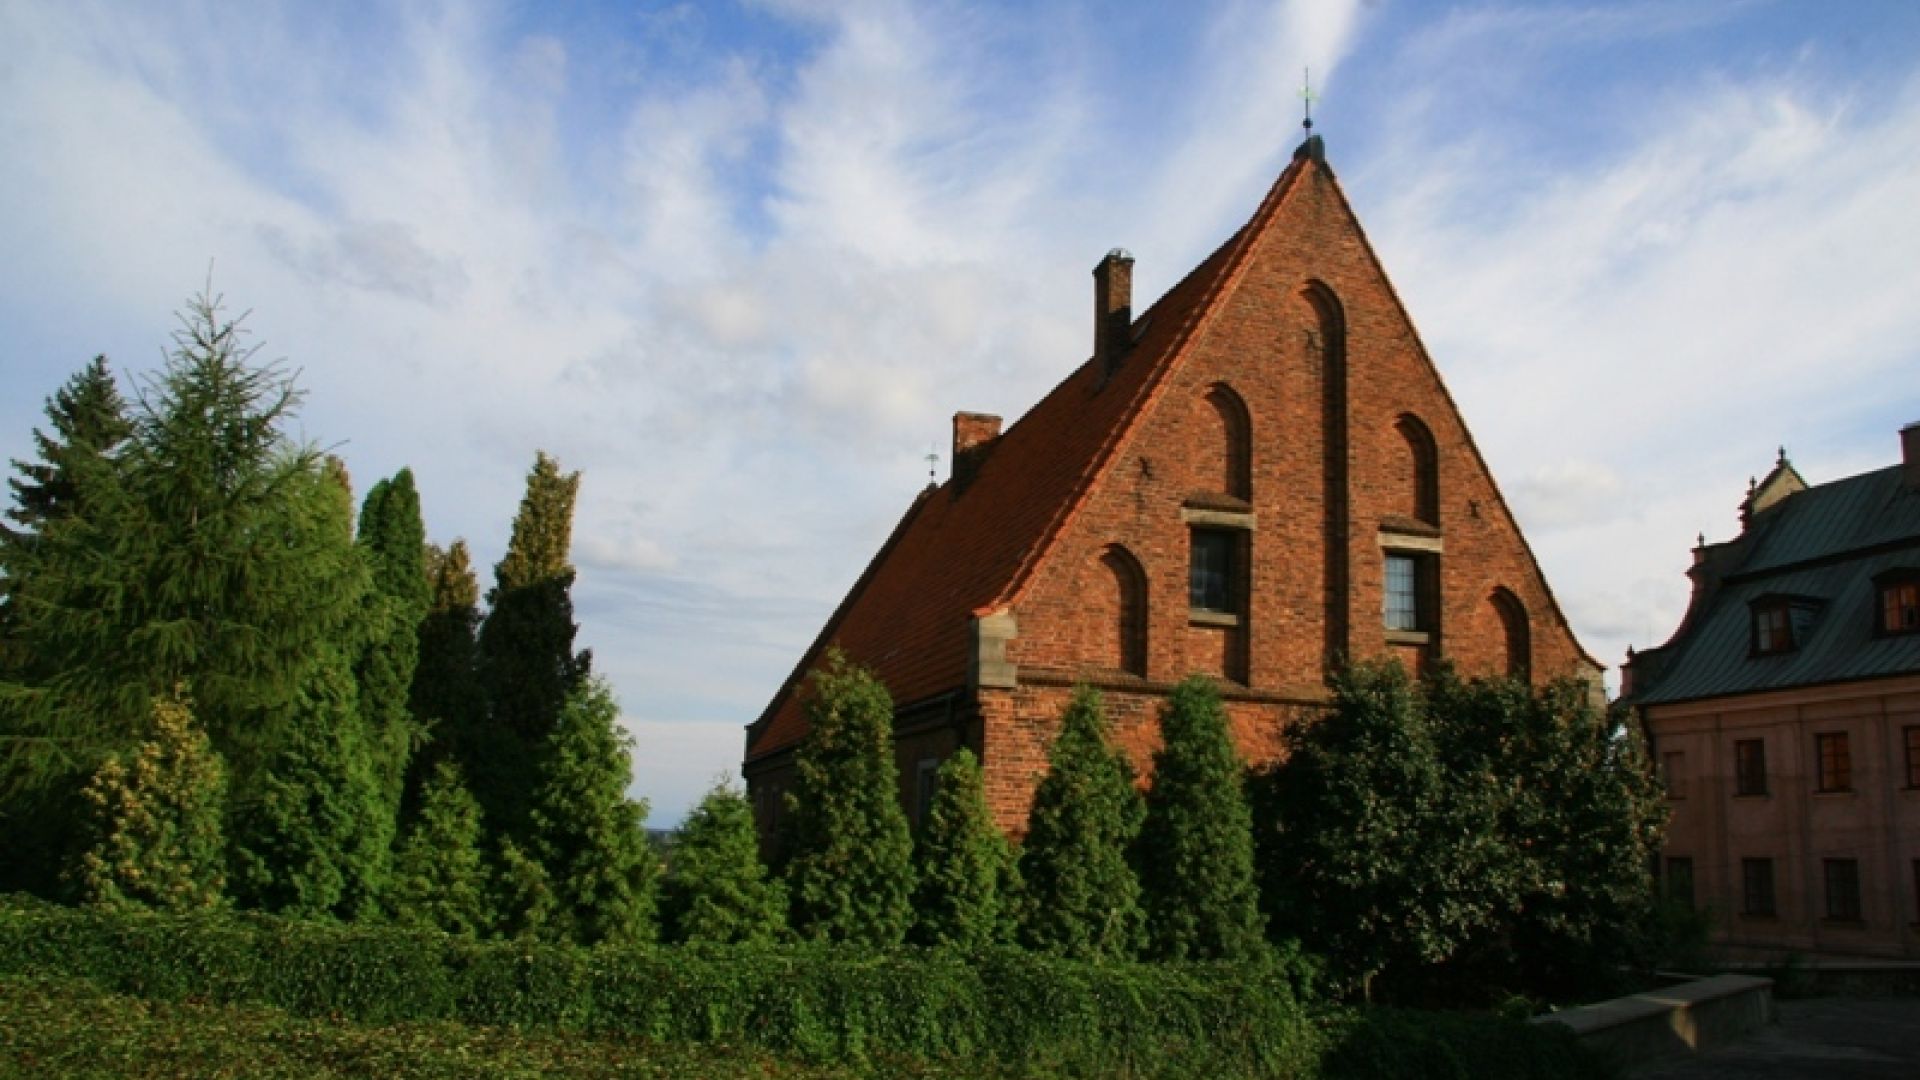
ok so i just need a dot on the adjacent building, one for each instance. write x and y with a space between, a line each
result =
1259 476
1784 715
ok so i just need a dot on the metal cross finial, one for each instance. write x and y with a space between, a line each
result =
1307 98
933 461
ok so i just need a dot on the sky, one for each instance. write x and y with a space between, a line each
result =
739 261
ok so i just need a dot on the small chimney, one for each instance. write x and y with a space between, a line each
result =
1910 453
1112 309
973 437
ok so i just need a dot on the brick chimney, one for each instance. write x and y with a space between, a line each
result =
973 437
1910 452
1112 309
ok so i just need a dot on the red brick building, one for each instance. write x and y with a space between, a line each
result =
1785 716
1258 476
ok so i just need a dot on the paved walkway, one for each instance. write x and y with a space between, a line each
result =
1841 1038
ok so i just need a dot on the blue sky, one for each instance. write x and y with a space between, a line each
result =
740 262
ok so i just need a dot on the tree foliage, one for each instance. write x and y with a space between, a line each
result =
440 878
718 889
1195 853
446 698
1081 896
89 421
964 863
156 820
586 833
527 662
1458 833
850 868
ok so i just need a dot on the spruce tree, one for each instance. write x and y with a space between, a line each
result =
850 872
528 665
439 877
717 889
156 820
89 419
588 836
1081 896
1195 853
963 863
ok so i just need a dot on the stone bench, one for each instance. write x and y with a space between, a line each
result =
1674 1021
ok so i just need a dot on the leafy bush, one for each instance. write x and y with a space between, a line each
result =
1409 1045
814 1002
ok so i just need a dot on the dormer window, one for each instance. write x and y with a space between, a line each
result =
1899 607
1772 629
1783 622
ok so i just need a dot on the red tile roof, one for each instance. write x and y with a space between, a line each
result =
962 551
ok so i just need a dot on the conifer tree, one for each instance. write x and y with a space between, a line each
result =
163 579
588 836
850 872
39 804
1081 896
528 665
89 419
524 904
156 816
963 862
1195 853
392 542
718 889
439 877
308 832
446 698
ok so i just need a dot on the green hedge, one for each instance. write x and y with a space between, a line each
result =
816 1003
1025 1013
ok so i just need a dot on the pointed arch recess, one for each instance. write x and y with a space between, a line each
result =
1233 446
1420 497
1121 641
1518 632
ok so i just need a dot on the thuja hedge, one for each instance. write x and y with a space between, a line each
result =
816 1003
1034 1014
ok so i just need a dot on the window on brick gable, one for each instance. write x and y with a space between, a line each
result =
1409 590
1123 643
1212 578
1517 633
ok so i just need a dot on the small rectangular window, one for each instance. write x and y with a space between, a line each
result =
926 783
1756 886
1772 630
1900 607
1843 889
1913 756
1680 880
1402 601
1836 762
1750 767
1211 571
1673 768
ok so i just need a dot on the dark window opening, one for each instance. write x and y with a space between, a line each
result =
1835 761
1843 889
1402 604
1756 886
1900 608
1673 766
1750 767
1210 576
1913 756
1772 630
1680 880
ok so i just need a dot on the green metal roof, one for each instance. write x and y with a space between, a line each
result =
1826 543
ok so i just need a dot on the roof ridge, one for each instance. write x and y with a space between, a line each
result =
1235 251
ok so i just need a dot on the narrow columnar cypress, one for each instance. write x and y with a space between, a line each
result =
527 662
963 862
717 889
1081 896
440 879
850 871
587 834
392 544
446 698
1195 853
157 839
